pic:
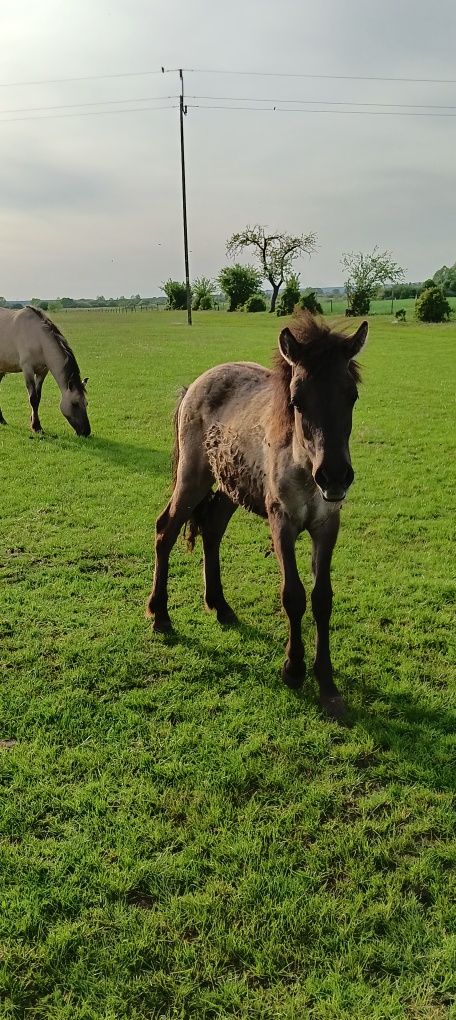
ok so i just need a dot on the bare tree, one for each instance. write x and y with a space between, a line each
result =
275 252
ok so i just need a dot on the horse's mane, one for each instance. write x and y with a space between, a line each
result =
71 371
318 342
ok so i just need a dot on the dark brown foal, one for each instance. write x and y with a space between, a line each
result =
276 442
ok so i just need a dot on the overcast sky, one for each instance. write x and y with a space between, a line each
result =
92 205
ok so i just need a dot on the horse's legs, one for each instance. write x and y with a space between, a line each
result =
216 517
323 542
190 490
39 380
2 420
293 594
34 399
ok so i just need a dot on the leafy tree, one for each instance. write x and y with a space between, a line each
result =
176 293
365 273
2 302
239 283
275 252
203 291
309 301
256 303
290 295
446 279
432 305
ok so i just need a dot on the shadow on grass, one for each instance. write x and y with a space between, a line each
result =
408 731
131 456
412 739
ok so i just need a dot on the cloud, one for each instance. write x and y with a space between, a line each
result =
76 193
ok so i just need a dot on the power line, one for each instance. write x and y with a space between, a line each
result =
85 77
91 113
277 107
325 102
229 99
353 113
329 77
205 106
205 70
99 102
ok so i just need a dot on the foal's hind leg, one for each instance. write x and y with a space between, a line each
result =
189 491
2 420
216 517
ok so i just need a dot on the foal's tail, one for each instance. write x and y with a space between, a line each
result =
176 451
193 527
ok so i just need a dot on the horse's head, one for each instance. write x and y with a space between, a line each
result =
73 406
323 390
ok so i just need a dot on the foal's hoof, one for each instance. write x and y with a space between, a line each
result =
162 624
293 676
227 617
336 709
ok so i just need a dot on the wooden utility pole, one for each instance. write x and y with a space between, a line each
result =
182 112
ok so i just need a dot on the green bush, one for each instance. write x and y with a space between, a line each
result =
206 302
289 296
359 304
176 293
239 283
256 303
432 305
203 289
311 304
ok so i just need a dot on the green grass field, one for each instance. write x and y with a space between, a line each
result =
180 835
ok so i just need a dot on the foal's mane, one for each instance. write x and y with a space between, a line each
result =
318 342
72 375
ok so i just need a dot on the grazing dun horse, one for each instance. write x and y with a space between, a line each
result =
30 343
275 442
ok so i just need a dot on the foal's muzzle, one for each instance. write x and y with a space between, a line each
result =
334 490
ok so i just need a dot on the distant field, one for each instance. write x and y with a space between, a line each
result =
380 307
180 835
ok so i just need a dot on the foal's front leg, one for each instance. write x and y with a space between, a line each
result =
293 595
323 541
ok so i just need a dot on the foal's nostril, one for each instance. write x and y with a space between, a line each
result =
349 476
321 478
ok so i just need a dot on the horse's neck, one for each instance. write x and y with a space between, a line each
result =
55 358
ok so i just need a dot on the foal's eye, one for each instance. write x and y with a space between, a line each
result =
298 404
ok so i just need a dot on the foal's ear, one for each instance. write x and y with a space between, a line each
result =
85 381
289 347
355 342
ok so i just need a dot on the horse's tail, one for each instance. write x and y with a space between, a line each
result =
193 526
